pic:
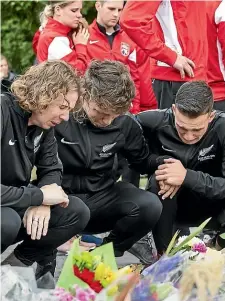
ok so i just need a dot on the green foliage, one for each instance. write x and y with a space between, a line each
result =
20 20
89 11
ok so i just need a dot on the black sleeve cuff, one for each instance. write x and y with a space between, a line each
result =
51 178
36 196
160 160
191 179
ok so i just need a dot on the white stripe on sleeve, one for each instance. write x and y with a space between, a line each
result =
59 47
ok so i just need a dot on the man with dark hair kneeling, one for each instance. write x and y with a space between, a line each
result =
191 184
42 216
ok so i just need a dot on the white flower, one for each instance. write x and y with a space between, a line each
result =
190 243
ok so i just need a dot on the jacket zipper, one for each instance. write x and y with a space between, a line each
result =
28 166
88 149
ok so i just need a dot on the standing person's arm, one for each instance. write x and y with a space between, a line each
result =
220 22
35 40
137 20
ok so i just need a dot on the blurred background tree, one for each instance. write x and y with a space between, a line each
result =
20 20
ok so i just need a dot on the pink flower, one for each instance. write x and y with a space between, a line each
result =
91 293
199 247
84 294
81 295
63 295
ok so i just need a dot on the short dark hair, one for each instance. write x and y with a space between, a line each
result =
109 85
194 99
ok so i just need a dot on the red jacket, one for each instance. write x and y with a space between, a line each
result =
55 43
182 30
147 96
123 50
216 58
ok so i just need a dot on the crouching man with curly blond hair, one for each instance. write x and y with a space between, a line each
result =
43 216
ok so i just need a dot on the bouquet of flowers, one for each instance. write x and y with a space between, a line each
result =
167 279
95 270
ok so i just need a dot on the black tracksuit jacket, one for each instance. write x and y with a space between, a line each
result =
204 161
22 147
89 153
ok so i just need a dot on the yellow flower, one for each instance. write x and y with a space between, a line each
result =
100 271
112 290
124 271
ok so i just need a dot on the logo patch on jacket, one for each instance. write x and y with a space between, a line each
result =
204 153
104 152
37 142
125 49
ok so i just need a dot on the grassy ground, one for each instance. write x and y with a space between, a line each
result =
143 182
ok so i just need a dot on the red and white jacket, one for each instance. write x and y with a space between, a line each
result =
182 30
123 50
216 40
147 97
55 43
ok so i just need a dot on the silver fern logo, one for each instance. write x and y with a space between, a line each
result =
107 147
104 152
203 153
37 142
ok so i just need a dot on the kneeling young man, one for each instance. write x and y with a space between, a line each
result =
88 147
43 216
191 184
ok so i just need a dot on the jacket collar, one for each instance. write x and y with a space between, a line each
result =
54 25
16 107
95 25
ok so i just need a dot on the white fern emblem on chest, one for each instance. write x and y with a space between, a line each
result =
37 142
205 151
107 147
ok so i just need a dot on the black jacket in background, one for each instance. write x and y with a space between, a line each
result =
204 161
7 82
22 148
88 153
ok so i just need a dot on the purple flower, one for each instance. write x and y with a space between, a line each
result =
160 270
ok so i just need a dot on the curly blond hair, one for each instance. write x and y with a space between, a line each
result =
109 85
43 83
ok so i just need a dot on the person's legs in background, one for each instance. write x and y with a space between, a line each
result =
219 105
165 92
